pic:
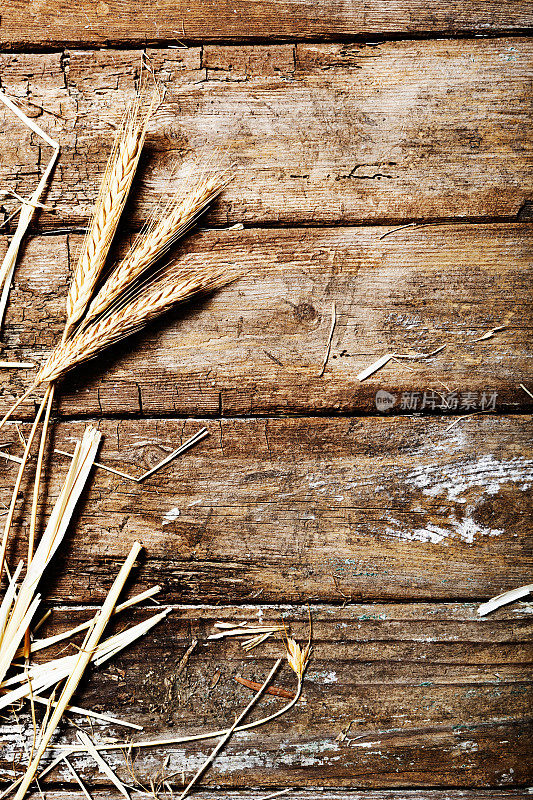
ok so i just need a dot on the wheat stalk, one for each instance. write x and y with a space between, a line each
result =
114 190
83 659
177 218
83 345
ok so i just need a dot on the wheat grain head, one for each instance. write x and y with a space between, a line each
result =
175 220
114 189
179 286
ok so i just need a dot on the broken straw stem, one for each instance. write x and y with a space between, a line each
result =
231 730
81 664
202 433
35 500
19 481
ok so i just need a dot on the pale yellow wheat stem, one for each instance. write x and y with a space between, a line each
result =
35 500
11 511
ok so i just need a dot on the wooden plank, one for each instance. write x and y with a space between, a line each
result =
330 509
435 697
316 794
257 347
318 133
57 23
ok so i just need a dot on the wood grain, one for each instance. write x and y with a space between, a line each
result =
318 133
301 509
318 794
435 697
257 347
57 22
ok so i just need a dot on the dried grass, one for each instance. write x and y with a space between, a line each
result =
84 657
504 599
28 208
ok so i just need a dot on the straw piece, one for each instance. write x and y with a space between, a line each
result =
83 660
243 630
231 730
490 334
44 676
102 765
202 433
526 390
9 598
276 691
41 644
504 599
77 778
366 373
377 365
85 712
27 121
18 482
330 338
17 365
17 403
28 209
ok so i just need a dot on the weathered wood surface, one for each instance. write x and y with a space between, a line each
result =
319 794
435 696
301 509
56 22
312 509
319 133
257 346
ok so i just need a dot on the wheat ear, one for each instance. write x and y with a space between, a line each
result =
129 318
175 220
114 189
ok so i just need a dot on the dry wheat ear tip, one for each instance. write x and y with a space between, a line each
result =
160 235
131 317
114 190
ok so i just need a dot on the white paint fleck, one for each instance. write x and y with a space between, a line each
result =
364 744
314 483
171 516
486 473
325 676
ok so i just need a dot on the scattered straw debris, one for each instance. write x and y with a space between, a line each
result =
77 778
330 338
81 662
490 334
103 766
276 691
504 599
383 360
201 434
28 206
262 689
257 633
462 418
